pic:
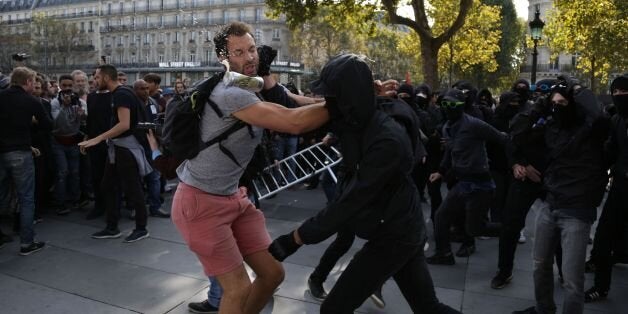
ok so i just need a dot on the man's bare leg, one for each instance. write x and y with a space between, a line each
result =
270 274
236 287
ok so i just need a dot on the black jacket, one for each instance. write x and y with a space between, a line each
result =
377 199
465 154
17 109
617 146
576 176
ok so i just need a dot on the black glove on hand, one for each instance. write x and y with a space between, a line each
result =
266 56
283 246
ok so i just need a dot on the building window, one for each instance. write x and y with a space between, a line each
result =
120 59
208 55
175 57
121 7
259 38
133 6
176 37
176 20
161 21
208 36
108 8
554 64
276 34
82 27
91 26
225 16
161 58
193 35
192 57
258 15
147 38
242 15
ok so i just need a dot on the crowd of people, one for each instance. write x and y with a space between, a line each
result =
77 139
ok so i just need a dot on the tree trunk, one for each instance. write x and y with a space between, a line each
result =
592 84
429 53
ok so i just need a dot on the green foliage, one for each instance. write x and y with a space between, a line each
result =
594 30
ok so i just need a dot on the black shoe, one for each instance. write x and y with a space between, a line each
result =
136 235
316 289
202 307
530 310
466 250
61 211
501 280
32 248
160 213
378 299
93 214
441 259
107 234
594 294
589 266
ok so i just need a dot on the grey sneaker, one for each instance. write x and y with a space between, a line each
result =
136 235
107 234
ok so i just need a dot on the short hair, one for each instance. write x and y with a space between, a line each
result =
109 71
137 83
234 28
152 78
21 75
66 77
40 80
120 74
78 72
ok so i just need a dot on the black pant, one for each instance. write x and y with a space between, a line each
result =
474 206
124 173
521 196
338 248
98 159
502 179
377 261
609 232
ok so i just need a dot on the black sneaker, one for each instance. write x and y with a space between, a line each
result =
136 235
378 299
530 310
594 294
107 234
160 213
61 211
202 307
465 250
32 248
501 280
316 289
441 259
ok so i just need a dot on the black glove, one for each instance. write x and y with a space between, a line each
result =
283 246
266 56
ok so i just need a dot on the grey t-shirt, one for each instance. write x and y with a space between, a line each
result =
211 170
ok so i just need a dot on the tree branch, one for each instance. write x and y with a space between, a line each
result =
465 6
422 31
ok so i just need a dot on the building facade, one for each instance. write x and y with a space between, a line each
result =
170 37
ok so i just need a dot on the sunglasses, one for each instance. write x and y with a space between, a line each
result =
451 104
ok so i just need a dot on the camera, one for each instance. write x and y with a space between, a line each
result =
19 57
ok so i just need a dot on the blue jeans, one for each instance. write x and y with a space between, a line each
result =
67 182
19 166
153 185
214 294
552 228
286 146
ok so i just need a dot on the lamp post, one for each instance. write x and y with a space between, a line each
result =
536 27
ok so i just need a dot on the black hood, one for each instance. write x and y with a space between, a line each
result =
348 78
469 91
520 81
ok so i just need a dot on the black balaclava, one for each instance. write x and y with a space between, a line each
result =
620 101
407 89
566 115
524 92
346 82
423 94
485 98
505 108
469 91
453 113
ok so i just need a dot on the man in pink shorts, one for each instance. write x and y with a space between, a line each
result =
213 214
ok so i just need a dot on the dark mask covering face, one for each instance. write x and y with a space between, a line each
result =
621 103
422 102
565 114
510 111
453 109
524 93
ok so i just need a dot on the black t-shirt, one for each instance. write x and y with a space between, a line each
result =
123 96
99 113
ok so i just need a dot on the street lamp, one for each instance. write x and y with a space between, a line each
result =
536 28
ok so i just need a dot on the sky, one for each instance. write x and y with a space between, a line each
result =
522 8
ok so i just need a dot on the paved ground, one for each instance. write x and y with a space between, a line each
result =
76 274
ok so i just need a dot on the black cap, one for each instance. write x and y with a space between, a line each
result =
454 94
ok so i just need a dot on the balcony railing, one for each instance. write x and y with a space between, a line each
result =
553 68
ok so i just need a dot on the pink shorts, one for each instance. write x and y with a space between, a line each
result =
221 230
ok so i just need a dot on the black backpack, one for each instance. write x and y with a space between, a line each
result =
181 136
404 115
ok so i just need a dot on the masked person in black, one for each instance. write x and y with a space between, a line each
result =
609 245
485 99
522 87
376 198
575 181
465 160
469 95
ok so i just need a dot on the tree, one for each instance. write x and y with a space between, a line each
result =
430 41
594 30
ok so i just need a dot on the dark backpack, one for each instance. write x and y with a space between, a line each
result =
404 115
181 135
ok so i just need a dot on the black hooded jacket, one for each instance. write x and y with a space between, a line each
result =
376 197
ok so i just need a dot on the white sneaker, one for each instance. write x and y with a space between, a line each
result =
522 238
